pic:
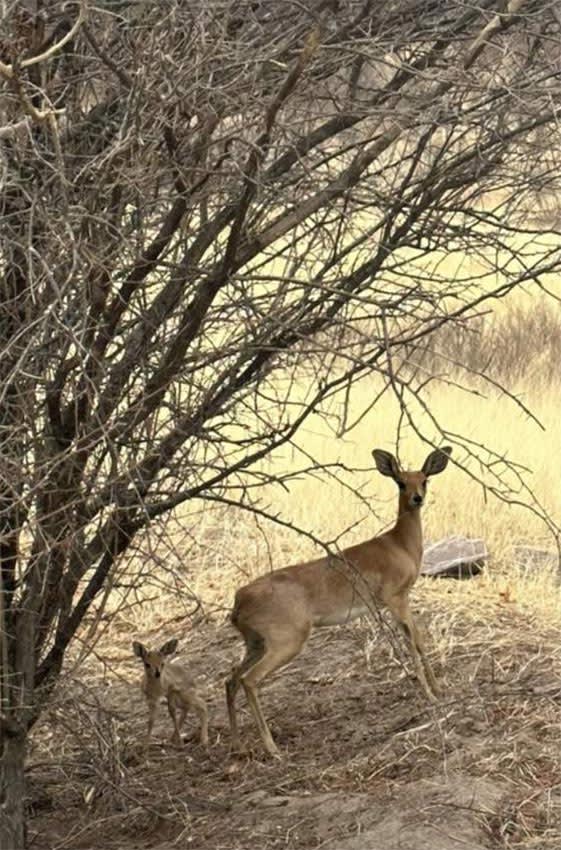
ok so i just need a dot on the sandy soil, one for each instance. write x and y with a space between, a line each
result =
368 764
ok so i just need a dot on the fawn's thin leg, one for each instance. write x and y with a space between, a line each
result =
176 739
199 707
152 704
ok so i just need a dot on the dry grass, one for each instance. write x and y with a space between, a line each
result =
364 753
520 343
359 740
352 506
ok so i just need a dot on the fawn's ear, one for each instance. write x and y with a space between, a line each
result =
386 464
437 461
169 647
138 649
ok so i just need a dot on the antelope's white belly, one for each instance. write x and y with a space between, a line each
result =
343 615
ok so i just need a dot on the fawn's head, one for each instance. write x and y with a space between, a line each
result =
154 660
412 485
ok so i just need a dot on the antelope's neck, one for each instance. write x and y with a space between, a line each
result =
408 529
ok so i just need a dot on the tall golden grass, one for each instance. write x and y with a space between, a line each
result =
208 552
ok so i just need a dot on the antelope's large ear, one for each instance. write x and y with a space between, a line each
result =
138 649
386 464
169 647
437 461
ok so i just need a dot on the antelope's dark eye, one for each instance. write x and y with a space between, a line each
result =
401 485
146 665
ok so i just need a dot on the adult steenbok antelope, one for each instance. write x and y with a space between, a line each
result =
276 612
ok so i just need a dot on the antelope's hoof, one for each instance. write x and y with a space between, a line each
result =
273 751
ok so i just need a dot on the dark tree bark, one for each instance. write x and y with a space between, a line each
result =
12 784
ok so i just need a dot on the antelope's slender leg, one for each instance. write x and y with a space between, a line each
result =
419 641
399 606
254 649
274 658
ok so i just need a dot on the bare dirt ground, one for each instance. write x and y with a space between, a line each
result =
368 764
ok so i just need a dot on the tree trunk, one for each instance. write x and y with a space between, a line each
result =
12 791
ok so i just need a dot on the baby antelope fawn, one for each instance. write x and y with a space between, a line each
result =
276 613
169 679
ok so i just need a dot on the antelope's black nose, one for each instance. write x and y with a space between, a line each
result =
157 674
417 500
